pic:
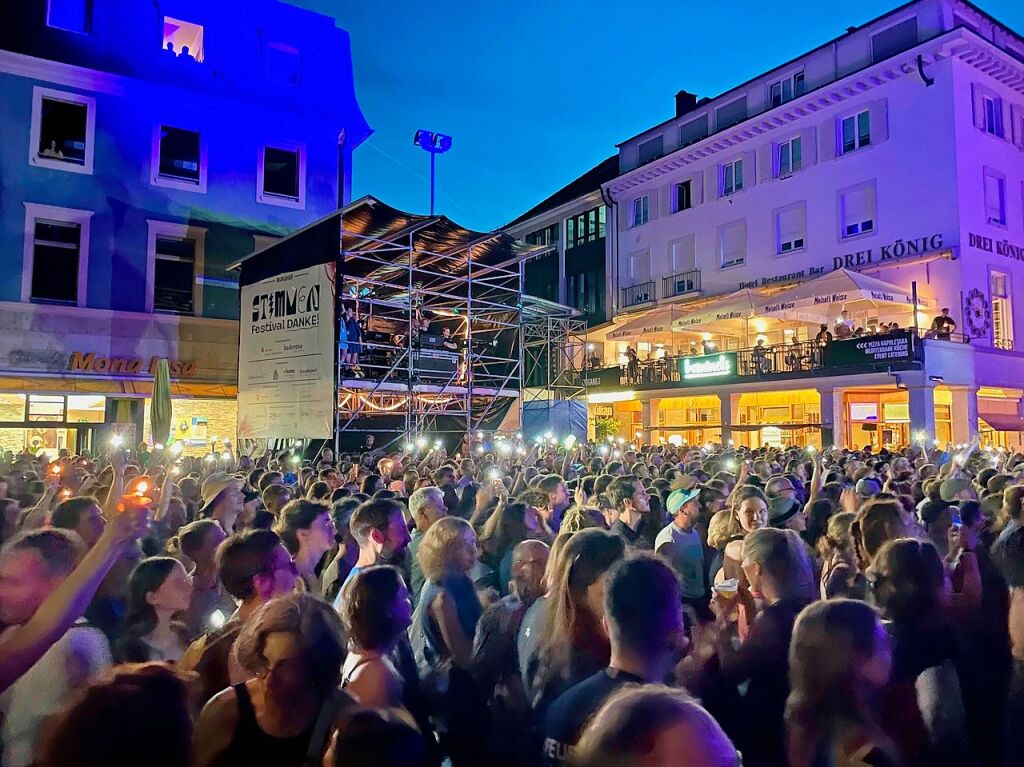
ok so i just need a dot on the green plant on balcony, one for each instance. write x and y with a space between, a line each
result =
605 426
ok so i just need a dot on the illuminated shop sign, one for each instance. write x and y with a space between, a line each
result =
89 362
708 366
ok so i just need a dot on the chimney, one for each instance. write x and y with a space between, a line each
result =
685 102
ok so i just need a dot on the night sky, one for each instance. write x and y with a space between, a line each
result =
535 92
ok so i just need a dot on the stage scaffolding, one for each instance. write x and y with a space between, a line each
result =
554 351
397 269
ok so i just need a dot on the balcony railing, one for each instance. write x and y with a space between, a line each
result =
635 295
681 284
900 350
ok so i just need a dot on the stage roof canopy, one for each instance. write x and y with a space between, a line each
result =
370 229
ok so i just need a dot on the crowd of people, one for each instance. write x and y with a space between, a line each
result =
553 604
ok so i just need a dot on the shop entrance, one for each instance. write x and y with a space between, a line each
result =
49 423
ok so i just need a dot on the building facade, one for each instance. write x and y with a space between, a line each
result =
880 175
148 146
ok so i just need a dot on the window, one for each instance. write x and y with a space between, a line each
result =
896 39
56 255
1002 310
787 89
790 228
176 254
693 131
584 227
640 267
179 154
856 131
70 15
63 126
732 177
731 114
732 243
546 236
282 63
638 213
993 115
995 197
651 150
183 40
46 408
857 210
683 198
790 159
281 176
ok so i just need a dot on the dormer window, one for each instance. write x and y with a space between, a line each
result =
183 39
787 89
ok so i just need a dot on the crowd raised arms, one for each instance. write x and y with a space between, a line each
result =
546 601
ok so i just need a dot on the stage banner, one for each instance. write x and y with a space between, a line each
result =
286 356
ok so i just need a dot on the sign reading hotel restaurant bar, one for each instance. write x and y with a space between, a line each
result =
89 362
708 366
870 350
893 251
286 356
603 379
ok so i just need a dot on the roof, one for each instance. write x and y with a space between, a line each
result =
590 181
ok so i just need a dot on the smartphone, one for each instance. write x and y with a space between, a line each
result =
957 522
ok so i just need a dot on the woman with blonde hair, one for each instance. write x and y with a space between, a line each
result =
839 660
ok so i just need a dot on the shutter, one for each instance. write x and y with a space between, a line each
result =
1017 127
765 162
978 103
827 140
697 187
668 199
711 183
750 168
808 149
652 204
879 111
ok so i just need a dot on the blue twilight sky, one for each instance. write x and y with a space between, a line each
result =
535 92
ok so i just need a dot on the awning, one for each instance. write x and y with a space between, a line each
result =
823 297
657 320
739 306
783 426
1003 421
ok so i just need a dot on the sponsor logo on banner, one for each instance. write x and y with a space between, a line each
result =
714 366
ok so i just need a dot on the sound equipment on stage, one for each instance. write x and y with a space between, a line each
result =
431 362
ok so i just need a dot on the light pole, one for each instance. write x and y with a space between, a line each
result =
434 144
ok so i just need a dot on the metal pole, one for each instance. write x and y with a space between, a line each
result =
433 158
913 299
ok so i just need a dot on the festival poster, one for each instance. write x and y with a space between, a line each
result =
286 356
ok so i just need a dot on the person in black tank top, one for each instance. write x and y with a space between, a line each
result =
283 716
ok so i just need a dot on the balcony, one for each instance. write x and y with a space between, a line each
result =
635 295
681 284
901 350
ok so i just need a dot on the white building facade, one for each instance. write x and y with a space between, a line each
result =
889 162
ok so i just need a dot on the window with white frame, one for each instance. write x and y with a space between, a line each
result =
651 149
993 109
179 154
855 131
70 15
731 177
995 197
682 198
63 130
183 39
56 255
857 210
1002 310
786 89
684 254
640 267
639 211
176 254
281 176
732 243
790 157
790 228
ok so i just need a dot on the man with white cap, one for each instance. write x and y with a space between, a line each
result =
222 500
679 542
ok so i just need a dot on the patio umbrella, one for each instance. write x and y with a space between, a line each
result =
160 410
817 299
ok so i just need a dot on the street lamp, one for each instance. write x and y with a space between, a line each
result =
435 144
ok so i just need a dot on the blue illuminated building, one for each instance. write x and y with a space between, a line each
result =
146 146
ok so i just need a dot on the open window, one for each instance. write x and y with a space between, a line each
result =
183 40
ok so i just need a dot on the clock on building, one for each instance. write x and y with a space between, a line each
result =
977 314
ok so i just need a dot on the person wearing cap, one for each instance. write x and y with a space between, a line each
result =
222 500
867 488
786 514
631 502
680 543
957 489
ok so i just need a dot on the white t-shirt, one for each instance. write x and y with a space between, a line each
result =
45 688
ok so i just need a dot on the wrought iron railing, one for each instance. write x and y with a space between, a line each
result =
634 295
681 284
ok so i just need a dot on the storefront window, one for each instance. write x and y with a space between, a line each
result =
86 408
45 408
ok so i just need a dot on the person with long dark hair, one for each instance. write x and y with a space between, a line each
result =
307 530
839 660
509 526
159 591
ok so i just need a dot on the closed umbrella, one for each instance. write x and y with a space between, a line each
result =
160 411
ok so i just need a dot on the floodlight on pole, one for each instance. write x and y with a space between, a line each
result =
434 144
